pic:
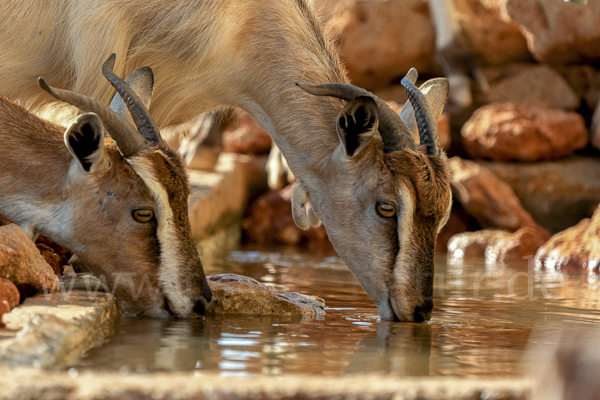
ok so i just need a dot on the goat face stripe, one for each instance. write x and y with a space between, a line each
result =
170 260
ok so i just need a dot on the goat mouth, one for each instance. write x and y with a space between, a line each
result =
169 307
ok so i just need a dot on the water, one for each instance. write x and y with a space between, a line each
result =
483 321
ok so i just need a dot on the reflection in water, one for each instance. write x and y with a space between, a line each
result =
482 322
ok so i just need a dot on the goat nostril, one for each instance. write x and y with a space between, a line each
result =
201 306
423 313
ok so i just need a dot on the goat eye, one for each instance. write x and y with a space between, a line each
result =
143 215
386 210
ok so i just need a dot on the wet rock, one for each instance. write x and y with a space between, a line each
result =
490 201
247 137
530 83
21 263
575 249
458 222
558 32
269 221
558 194
492 36
496 246
9 297
236 294
381 40
519 132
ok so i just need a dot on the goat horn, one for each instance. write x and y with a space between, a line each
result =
428 133
140 115
129 141
394 133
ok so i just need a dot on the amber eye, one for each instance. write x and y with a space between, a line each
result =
143 215
386 210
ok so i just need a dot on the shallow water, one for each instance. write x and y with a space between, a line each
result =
482 323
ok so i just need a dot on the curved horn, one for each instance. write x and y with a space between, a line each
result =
129 141
428 133
394 133
140 115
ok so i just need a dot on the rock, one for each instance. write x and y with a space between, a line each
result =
492 36
558 32
269 221
575 249
496 246
61 251
9 297
519 132
486 198
530 83
53 259
21 263
5 221
458 222
584 80
558 194
381 40
247 137
236 294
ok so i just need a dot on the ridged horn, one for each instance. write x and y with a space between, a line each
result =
129 141
428 133
394 133
139 113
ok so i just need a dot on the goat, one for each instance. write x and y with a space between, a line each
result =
120 204
382 200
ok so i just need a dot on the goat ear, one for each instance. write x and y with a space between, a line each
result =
436 93
142 82
85 141
356 124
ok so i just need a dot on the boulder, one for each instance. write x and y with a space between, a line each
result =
61 251
490 201
496 246
246 137
575 249
530 83
381 40
21 263
9 297
520 132
53 259
559 32
558 194
458 222
492 36
269 221
236 294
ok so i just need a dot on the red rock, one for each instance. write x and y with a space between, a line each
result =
61 251
247 137
559 32
9 297
21 263
530 83
53 259
4 221
381 40
269 221
496 246
489 200
519 132
575 249
458 222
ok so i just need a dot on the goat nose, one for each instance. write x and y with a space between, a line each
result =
203 304
423 312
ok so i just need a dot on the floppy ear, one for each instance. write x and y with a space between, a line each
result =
356 124
142 82
436 93
85 141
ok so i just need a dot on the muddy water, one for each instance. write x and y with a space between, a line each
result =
484 318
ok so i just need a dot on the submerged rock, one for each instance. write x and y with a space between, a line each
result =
520 132
21 263
488 199
236 294
496 246
575 249
9 297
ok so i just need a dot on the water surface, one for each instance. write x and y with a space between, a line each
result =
483 319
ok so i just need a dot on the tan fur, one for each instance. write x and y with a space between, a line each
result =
247 54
